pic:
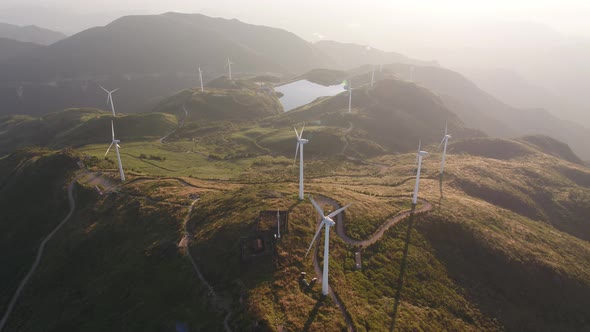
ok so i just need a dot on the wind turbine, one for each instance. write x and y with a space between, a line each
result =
201 77
229 63
110 98
419 148
419 156
117 147
373 76
328 222
300 143
444 155
348 86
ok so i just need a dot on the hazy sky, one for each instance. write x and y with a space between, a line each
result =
449 31
568 16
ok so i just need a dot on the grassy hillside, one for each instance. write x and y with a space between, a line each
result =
539 186
505 249
116 266
78 127
393 115
223 100
33 201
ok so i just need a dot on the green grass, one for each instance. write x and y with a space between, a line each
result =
505 249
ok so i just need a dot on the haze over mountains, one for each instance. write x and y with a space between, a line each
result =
197 218
153 56
30 34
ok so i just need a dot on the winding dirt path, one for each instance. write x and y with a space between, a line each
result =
185 243
40 252
346 132
180 125
427 206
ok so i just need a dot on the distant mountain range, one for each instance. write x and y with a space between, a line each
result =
347 55
30 34
513 89
13 48
479 109
151 57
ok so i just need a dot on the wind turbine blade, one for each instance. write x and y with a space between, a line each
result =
296 133
335 213
105 90
113 129
118 146
296 150
301 134
117 89
109 149
441 142
446 127
317 207
314 238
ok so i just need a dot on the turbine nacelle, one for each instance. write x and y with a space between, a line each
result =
302 140
422 153
328 221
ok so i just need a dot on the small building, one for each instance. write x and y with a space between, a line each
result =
357 260
264 236
268 221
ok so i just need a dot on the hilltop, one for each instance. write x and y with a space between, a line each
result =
348 55
30 34
506 223
392 116
224 100
78 127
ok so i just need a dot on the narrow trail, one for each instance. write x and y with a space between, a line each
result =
427 206
40 252
346 132
185 243
180 125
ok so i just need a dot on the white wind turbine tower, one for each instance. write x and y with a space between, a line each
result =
445 140
228 65
110 98
201 77
116 142
349 82
419 148
300 143
328 222
419 156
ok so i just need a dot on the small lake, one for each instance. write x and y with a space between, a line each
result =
304 92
